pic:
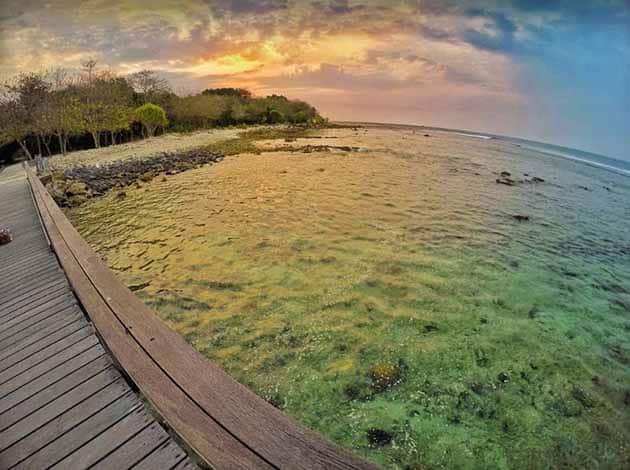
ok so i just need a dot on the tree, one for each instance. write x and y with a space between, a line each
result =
151 117
14 125
64 111
149 86
234 92
105 102
31 92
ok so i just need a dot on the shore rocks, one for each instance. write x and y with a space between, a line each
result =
505 178
75 185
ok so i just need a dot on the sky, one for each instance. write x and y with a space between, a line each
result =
550 70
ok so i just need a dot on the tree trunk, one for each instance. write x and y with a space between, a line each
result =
25 148
39 144
97 139
113 137
62 147
46 141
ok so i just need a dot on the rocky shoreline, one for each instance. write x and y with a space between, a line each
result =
73 186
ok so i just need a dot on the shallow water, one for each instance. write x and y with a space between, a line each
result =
391 289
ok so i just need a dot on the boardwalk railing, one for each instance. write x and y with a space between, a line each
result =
226 424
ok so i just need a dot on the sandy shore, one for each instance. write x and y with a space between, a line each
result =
143 148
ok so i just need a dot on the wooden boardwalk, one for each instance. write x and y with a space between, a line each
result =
63 403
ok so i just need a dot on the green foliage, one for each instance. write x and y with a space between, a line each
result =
39 108
235 92
229 106
275 117
151 117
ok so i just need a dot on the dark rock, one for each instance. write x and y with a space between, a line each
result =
626 398
430 327
533 312
506 181
427 135
536 179
477 388
378 437
77 184
506 173
583 187
521 218
581 396
5 236
483 320
503 377
140 286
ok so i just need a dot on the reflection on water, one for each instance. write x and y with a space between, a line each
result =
388 297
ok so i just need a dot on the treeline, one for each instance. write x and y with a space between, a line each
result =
52 112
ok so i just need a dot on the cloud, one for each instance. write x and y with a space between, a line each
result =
569 55
249 7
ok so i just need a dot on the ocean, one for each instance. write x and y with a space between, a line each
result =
428 299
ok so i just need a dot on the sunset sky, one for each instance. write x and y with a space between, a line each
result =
556 71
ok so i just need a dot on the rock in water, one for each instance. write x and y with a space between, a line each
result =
378 437
5 236
506 181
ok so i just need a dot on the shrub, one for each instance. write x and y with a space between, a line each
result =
151 117
275 117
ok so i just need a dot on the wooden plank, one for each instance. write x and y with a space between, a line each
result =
52 290
44 347
69 312
51 377
45 335
183 465
167 455
60 435
46 353
20 264
21 305
57 407
40 272
43 367
135 449
30 294
29 255
106 442
47 395
34 316
252 421
72 439
21 281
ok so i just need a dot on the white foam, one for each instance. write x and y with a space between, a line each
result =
477 136
578 159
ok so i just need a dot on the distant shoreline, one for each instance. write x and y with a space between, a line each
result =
595 160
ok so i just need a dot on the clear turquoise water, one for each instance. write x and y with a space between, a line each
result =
316 278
